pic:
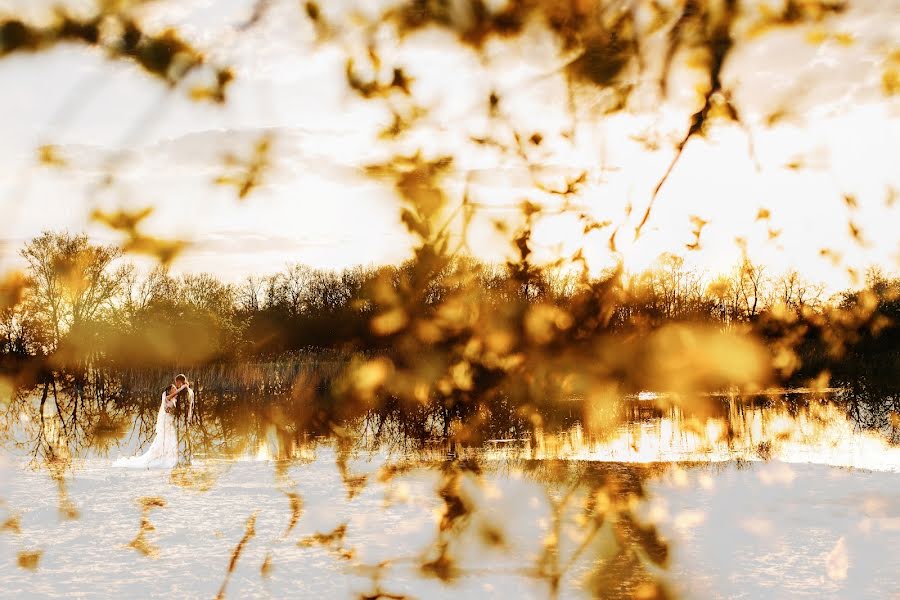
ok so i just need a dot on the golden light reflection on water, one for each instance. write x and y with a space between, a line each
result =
819 433
570 503
516 502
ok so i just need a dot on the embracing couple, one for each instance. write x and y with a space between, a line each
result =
171 444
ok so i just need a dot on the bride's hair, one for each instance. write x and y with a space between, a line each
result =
169 388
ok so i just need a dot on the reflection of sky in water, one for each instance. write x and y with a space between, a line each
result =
764 530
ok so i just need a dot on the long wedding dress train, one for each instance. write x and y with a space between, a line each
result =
163 451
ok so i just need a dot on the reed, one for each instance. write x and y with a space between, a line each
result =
275 376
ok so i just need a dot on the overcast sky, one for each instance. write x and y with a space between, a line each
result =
316 207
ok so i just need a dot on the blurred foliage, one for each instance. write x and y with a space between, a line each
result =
247 173
442 346
249 533
140 541
136 242
449 327
30 559
116 31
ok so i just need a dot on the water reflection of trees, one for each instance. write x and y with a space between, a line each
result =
68 417
873 405
592 533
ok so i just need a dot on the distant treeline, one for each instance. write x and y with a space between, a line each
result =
80 303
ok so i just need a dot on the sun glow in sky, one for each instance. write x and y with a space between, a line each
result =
317 207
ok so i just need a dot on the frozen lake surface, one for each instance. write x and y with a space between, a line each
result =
738 530
761 498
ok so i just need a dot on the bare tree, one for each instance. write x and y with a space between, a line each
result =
795 293
249 295
751 281
72 280
204 292
21 333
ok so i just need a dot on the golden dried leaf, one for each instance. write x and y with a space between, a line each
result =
48 155
389 322
816 36
890 79
462 375
165 251
296 510
122 220
543 322
249 533
844 38
370 375
265 570
30 559
12 525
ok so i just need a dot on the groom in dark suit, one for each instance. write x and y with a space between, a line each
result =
184 410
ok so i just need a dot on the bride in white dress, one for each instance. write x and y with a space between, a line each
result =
163 451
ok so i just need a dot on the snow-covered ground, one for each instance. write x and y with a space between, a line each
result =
738 530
